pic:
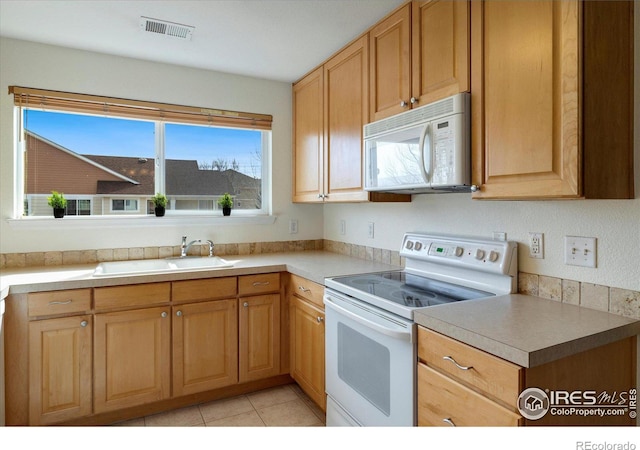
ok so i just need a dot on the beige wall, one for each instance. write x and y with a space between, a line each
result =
41 66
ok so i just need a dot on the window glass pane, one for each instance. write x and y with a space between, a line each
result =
203 163
88 156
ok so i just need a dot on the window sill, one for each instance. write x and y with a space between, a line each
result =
97 222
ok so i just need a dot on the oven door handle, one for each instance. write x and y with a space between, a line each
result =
403 335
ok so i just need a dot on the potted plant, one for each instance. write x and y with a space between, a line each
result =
226 202
160 202
58 203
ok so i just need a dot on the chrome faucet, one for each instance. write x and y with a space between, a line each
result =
210 242
184 247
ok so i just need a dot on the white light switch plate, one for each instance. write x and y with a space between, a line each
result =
580 251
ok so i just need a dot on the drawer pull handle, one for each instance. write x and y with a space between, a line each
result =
84 323
245 304
320 319
179 313
261 283
303 289
163 315
449 422
449 358
60 303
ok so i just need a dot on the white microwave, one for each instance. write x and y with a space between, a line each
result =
424 150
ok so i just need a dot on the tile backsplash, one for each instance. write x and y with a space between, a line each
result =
623 302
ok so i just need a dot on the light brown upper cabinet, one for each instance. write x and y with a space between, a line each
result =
330 107
419 54
551 99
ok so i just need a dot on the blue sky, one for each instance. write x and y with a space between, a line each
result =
92 135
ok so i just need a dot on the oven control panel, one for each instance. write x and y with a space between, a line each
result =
481 254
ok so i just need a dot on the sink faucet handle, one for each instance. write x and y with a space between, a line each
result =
210 242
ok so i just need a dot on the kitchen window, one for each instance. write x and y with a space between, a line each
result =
118 153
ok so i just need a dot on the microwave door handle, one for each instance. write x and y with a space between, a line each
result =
425 137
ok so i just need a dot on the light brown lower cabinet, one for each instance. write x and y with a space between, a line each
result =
459 385
132 351
60 359
306 324
259 335
205 346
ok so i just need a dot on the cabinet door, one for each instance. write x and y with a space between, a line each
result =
525 99
307 348
308 138
440 49
259 333
132 358
346 110
390 65
205 346
60 358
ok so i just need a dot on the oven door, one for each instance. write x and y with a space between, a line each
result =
370 363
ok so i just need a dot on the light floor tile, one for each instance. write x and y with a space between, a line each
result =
272 396
183 417
221 409
289 414
247 419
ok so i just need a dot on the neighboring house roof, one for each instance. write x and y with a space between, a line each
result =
135 176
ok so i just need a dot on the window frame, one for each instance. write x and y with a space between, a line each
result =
224 119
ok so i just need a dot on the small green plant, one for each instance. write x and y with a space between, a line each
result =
225 201
159 200
57 200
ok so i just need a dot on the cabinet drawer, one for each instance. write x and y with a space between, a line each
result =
258 284
199 290
493 376
59 302
308 290
444 402
119 297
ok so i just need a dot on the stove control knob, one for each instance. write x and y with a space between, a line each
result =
479 253
418 246
458 251
493 256
409 245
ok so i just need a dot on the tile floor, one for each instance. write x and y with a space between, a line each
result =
283 406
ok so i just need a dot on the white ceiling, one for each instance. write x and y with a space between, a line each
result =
273 39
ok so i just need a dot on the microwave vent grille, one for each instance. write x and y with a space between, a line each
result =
425 113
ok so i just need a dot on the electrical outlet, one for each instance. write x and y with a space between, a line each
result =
370 229
580 251
293 226
536 245
343 226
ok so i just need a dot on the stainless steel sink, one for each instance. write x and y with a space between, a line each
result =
159 265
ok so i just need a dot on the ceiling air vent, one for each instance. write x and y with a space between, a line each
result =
165 28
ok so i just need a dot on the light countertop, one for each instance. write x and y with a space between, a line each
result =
528 331
312 265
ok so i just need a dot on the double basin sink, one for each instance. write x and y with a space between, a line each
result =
160 265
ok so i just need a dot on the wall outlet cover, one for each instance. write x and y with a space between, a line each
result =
536 245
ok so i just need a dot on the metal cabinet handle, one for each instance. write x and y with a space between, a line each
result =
163 315
245 304
475 188
60 303
320 319
449 358
449 421
261 283
178 313
84 323
303 289
403 104
413 100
